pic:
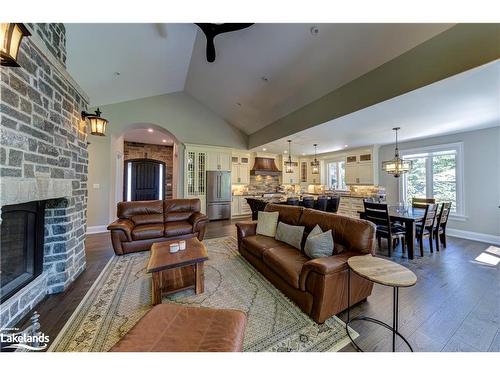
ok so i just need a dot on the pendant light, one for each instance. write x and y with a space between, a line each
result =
289 163
96 122
11 35
315 162
396 166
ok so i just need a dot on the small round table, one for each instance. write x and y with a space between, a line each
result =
384 272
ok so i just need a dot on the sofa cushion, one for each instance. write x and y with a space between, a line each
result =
258 244
290 234
178 228
141 212
286 261
319 244
267 223
180 209
287 214
147 231
349 234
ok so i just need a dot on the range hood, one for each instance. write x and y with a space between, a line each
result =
265 167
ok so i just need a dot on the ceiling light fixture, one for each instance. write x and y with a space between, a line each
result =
97 123
315 162
264 149
150 130
396 166
345 146
289 163
314 30
164 140
11 35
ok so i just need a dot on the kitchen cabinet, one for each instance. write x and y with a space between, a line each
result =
195 164
360 168
239 206
219 160
240 170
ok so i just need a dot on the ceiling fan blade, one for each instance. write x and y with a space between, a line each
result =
228 27
211 30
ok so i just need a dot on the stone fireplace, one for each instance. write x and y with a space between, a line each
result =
43 162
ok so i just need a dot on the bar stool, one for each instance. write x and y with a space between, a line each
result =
308 202
292 201
322 203
333 204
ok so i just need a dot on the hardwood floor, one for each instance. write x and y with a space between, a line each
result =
453 307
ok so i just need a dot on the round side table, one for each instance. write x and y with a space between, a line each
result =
384 272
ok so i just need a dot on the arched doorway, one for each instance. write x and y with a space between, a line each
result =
145 134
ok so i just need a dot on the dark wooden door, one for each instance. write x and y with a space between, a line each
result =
144 179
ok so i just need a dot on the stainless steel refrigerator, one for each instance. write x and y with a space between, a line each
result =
218 195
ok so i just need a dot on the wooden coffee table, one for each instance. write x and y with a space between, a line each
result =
173 272
384 272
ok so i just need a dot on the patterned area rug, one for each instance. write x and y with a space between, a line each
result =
122 295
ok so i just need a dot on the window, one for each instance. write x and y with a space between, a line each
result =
437 172
335 174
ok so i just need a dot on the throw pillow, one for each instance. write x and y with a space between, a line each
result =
290 234
266 223
319 244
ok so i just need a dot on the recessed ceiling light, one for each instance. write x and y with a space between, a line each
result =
264 78
345 145
303 154
285 152
150 130
116 74
164 140
264 149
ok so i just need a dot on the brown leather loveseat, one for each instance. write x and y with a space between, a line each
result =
141 223
317 286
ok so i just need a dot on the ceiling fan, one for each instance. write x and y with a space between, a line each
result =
211 30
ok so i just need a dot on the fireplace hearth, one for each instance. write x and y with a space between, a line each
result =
22 244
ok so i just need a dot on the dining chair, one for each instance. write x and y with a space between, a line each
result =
378 213
321 203
426 227
440 224
308 202
422 202
333 204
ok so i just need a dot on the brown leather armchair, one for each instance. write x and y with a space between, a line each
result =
142 223
317 286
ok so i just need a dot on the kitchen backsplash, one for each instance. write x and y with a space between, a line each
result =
263 184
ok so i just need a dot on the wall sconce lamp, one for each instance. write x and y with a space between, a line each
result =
97 123
11 35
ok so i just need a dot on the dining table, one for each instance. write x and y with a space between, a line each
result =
409 216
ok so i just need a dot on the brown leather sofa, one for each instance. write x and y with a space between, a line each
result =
317 286
142 223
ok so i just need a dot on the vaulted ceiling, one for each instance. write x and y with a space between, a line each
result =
260 74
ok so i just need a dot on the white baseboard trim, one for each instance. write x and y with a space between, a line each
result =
475 236
97 229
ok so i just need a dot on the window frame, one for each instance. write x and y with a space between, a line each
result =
327 173
427 151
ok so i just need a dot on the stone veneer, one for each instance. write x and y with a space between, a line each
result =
43 156
135 150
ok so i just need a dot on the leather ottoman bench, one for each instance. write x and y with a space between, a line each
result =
176 328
